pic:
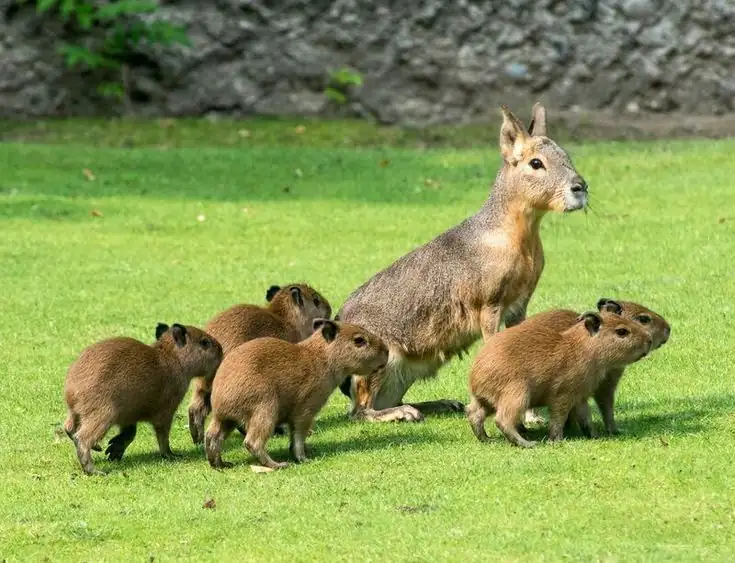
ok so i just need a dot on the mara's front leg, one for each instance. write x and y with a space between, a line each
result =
491 317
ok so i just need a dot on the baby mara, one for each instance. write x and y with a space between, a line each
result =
536 364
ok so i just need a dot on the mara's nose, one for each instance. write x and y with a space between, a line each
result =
580 187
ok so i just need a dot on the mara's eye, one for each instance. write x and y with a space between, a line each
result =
643 319
621 332
317 302
360 341
536 164
206 343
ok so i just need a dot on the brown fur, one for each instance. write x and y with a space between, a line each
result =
266 382
658 329
290 312
535 364
436 301
122 381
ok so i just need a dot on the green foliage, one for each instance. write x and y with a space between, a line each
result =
108 32
340 82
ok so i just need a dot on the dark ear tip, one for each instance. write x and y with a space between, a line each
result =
601 302
161 328
270 294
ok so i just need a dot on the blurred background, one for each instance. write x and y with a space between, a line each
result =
615 68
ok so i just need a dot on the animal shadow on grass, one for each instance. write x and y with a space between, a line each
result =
409 434
682 416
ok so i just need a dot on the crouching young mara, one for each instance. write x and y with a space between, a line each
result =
436 301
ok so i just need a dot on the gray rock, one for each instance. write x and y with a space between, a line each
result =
421 62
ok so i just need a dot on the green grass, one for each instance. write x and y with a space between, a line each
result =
662 233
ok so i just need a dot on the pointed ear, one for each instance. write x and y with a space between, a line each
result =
160 329
329 328
271 293
608 305
512 137
538 121
592 321
296 296
179 333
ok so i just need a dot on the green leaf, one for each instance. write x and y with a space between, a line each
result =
68 7
346 77
111 90
335 95
85 16
115 10
45 5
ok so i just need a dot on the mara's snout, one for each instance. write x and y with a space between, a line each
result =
575 197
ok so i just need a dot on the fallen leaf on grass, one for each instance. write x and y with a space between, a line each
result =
664 443
298 173
88 174
721 220
209 503
166 123
383 163
260 469
96 213
300 129
201 218
244 133
244 210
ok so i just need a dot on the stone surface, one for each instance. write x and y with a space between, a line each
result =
422 61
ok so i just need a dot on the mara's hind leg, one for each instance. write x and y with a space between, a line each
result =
217 433
476 415
199 409
118 444
510 409
532 418
260 429
88 433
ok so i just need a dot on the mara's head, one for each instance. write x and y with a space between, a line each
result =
536 167
615 340
652 322
300 304
351 348
198 353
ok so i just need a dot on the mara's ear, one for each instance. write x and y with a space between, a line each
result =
296 296
538 121
592 321
605 305
329 328
179 333
160 329
271 293
512 137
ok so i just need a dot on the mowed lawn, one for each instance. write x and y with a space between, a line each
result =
98 242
